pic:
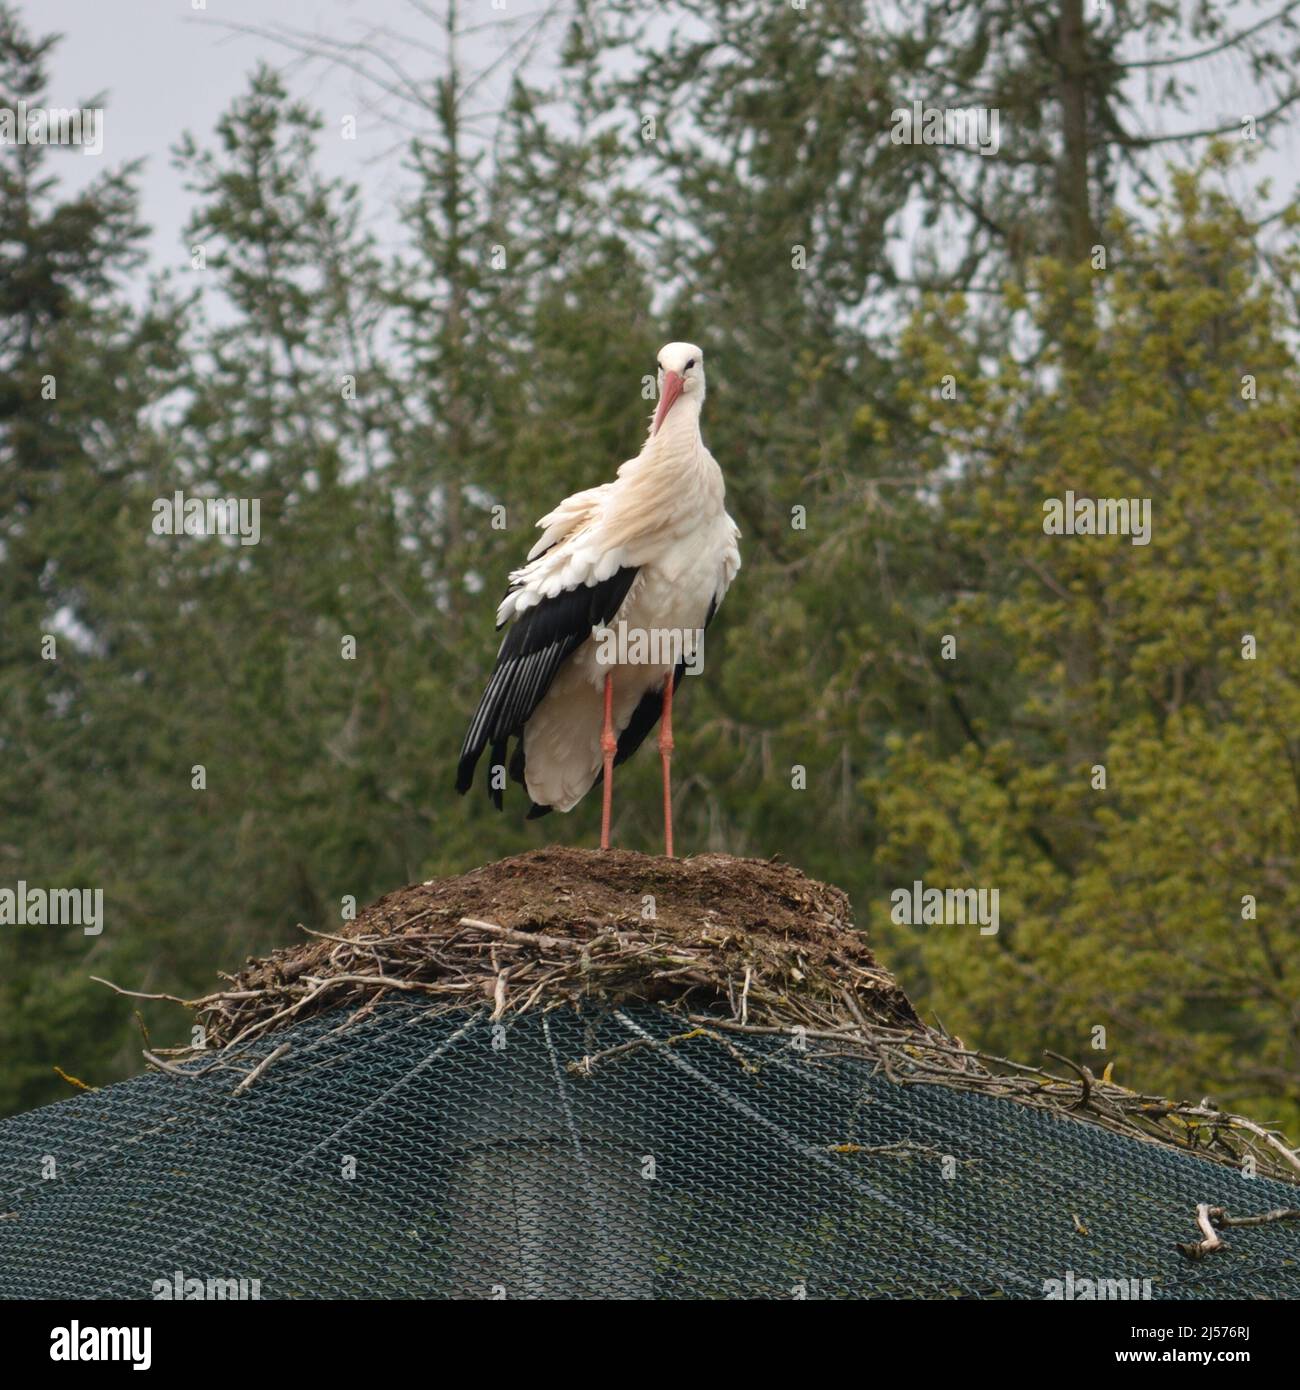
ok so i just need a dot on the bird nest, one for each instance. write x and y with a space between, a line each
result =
732 946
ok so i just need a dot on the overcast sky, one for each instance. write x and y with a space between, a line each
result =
165 67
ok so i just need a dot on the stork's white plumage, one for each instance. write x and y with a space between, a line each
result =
608 612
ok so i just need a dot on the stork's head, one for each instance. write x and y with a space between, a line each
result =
681 373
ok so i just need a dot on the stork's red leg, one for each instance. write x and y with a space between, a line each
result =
666 756
608 747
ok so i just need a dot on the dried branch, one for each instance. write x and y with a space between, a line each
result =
1212 1220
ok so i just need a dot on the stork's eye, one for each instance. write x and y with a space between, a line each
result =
690 364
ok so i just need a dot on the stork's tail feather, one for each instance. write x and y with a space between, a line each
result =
498 761
469 761
465 771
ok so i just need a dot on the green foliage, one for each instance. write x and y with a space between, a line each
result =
1123 907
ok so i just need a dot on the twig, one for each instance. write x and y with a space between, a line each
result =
1265 1218
499 994
525 938
169 1067
136 994
261 1067
387 982
1213 1219
1085 1075
901 1148
586 1065
75 1081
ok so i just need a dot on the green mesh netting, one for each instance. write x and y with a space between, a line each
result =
484 1168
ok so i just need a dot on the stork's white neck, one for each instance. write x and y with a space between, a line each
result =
674 473
671 485
680 432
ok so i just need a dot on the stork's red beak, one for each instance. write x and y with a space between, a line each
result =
672 389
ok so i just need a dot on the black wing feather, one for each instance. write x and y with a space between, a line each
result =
532 652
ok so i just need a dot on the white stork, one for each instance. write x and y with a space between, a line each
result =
608 611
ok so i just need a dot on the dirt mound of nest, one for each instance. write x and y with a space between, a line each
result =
756 940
